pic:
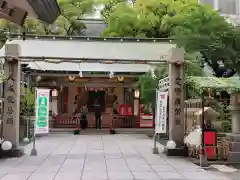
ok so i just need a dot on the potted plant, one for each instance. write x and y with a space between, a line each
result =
76 131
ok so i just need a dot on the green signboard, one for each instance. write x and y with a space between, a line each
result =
42 111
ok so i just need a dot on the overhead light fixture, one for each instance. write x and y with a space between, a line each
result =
80 74
71 78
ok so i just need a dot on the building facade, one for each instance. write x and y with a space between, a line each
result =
81 70
229 7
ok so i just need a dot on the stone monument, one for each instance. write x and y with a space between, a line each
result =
176 100
12 98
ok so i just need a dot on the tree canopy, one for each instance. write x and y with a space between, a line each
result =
205 31
144 18
197 28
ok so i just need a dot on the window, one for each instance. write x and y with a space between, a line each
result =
227 6
223 6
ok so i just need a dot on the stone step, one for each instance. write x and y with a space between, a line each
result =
147 131
87 131
104 131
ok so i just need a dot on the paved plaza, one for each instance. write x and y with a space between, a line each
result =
98 157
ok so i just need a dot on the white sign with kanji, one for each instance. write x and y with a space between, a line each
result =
163 84
161 112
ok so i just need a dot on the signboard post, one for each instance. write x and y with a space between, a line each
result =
42 111
161 114
161 110
41 125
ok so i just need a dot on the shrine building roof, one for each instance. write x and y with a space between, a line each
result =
93 49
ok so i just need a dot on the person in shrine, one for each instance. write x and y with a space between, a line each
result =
98 113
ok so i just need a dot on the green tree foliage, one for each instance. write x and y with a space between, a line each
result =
27 103
68 22
195 27
206 36
205 31
109 7
149 83
144 18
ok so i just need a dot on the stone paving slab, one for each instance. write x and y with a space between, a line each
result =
100 157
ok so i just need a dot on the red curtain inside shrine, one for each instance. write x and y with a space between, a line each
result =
65 100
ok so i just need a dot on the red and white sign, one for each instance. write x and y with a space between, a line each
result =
161 112
146 120
125 109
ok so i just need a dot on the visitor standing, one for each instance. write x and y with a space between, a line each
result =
98 113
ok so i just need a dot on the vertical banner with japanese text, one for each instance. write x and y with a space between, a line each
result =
42 111
161 112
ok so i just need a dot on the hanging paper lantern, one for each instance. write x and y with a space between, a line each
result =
38 78
6 145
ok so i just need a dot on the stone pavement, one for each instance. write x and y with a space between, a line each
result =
98 157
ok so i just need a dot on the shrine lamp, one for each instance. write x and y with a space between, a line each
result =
54 93
136 93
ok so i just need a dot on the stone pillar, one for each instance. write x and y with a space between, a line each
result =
176 97
234 137
12 95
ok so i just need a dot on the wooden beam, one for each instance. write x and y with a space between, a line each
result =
69 84
85 75
58 60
